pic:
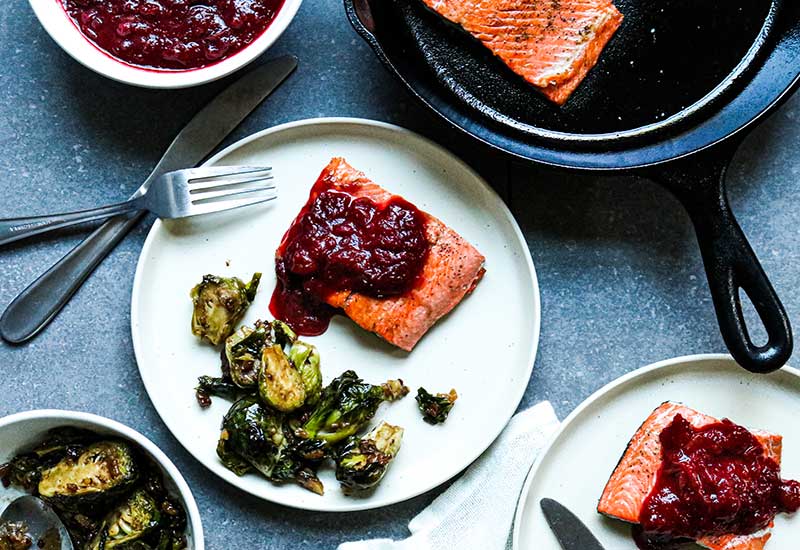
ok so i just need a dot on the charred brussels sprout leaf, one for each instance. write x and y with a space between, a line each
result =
362 463
284 335
219 387
219 304
346 405
306 360
253 434
435 408
243 353
129 522
279 382
229 458
101 472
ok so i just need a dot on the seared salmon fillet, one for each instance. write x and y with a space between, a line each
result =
550 43
452 269
637 471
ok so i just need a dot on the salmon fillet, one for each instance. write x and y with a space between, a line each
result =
636 473
550 43
452 270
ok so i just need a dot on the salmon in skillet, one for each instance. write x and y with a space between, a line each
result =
550 43
636 474
451 270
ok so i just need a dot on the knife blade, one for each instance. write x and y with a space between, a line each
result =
570 531
38 304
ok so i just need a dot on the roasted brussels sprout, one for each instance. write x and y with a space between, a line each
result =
129 522
346 405
435 408
243 353
362 462
219 304
253 434
306 360
279 382
102 471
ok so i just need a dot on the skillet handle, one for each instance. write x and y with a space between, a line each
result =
698 182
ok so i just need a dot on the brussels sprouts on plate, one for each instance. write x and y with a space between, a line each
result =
435 408
362 463
219 304
106 492
284 424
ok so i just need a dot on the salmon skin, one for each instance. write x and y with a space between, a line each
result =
552 44
637 471
451 271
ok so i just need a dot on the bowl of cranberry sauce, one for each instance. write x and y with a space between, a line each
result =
165 43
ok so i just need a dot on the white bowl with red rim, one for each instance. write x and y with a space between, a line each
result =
65 32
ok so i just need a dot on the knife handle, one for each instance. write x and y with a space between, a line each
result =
36 306
15 229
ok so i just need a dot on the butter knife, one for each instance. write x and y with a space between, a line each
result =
36 306
571 533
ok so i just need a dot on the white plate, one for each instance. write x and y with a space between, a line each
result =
485 348
576 466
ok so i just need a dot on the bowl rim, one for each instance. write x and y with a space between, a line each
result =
129 433
64 32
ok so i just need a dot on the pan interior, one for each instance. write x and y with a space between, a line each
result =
667 57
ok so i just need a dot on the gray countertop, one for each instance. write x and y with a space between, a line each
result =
620 273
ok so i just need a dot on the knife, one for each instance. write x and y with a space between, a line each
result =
36 306
571 533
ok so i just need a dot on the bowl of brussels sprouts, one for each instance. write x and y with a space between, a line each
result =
111 486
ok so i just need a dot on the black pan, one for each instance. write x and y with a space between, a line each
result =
672 97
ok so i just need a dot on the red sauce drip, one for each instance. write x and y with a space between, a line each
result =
172 34
714 480
344 243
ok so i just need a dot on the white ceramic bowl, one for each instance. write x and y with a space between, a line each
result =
63 30
19 432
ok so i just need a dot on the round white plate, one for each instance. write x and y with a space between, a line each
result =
575 467
485 348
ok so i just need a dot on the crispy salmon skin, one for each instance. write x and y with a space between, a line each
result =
451 271
550 43
637 471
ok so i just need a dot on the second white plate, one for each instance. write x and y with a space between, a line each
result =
485 348
579 461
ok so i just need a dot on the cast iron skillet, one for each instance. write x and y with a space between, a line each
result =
672 97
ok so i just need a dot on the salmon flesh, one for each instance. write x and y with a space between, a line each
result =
552 44
451 271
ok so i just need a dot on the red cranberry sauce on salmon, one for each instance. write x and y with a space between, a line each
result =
687 476
357 249
552 44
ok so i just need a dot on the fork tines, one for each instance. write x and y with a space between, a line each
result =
228 187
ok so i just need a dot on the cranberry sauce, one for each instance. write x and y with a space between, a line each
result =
344 243
714 480
172 34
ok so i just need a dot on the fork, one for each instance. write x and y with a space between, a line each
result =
177 194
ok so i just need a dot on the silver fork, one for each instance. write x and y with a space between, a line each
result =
177 194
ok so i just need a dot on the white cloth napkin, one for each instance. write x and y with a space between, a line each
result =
477 511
